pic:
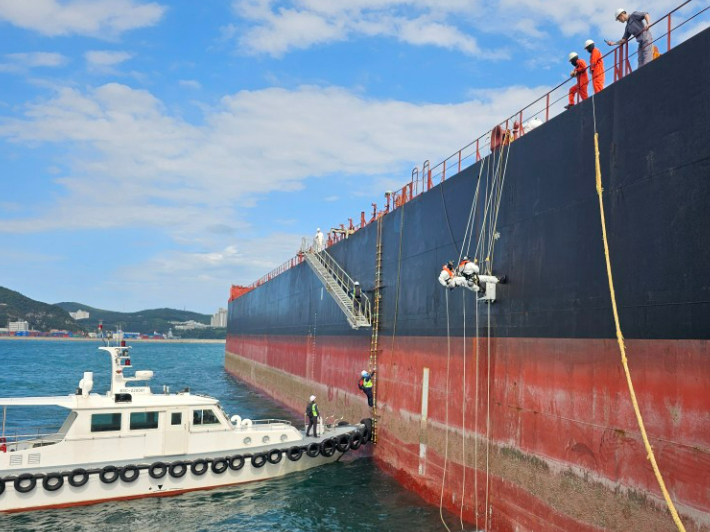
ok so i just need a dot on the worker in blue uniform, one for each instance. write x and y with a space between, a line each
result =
312 413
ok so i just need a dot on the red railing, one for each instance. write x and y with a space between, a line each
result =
547 106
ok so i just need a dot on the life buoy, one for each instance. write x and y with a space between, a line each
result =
274 456
158 470
236 462
31 482
178 469
53 481
313 450
294 453
83 475
343 443
109 474
220 465
356 440
130 473
199 467
258 460
328 447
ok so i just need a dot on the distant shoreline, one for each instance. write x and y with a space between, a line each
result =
128 341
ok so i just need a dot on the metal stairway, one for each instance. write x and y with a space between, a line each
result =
340 286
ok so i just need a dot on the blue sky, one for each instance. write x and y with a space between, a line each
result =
154 153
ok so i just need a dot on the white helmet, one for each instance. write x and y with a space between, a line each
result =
312 398
571 56
588 43
318 229
363 373
619 12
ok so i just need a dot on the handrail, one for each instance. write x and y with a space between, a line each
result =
347 283
543 108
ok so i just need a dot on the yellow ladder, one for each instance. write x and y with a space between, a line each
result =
376 325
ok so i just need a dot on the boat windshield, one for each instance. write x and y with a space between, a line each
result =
28 427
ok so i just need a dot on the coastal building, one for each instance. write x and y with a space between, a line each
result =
18 326
80 315
219 319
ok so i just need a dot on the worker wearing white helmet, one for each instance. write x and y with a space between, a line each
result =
637 25
318 241
580 73
596 65
312 415
365 384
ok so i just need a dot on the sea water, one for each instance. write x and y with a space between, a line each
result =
343 496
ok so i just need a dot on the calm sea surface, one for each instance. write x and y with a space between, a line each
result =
339 497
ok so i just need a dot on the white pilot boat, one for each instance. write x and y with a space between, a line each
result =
131 443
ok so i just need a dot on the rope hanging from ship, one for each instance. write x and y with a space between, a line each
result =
620 337
27 482
495 166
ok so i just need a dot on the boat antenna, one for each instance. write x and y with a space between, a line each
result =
101 332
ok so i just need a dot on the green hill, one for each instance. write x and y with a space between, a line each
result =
40 316
144 321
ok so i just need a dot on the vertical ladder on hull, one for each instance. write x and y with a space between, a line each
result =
376 325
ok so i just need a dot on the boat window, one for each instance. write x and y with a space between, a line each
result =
176 418
144 420
204 417
105 422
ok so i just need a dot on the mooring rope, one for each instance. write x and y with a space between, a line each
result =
446 438
620 337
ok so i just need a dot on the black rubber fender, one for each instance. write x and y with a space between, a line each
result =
219 465
258 460
199 467
343 443
367 433
343 423
109 474
236 462
130 473
2 486
20 487
313 450
178 469
356 440
328 447
294 453
80 472
157 470
274 456
47 483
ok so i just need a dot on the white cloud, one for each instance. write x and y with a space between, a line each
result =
21 62
276 29
190 84
126 153
106 58
98 18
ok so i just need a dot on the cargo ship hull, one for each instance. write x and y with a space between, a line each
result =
517 414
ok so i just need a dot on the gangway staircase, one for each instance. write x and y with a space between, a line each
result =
340 286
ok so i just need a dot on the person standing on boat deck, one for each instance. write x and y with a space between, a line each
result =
318 241
579 72
596 65
635 26
312 413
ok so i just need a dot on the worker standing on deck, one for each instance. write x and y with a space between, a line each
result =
318 241
365 384
596 65
637 24
312 413
579 72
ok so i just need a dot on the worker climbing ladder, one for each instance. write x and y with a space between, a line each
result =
374 347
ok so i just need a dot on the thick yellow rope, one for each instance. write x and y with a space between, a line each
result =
622 348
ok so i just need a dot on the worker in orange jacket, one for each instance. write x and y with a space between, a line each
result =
579 72
596 65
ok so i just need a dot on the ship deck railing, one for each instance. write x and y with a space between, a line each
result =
22 439
543 108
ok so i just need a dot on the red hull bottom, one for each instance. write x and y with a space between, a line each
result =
541 432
